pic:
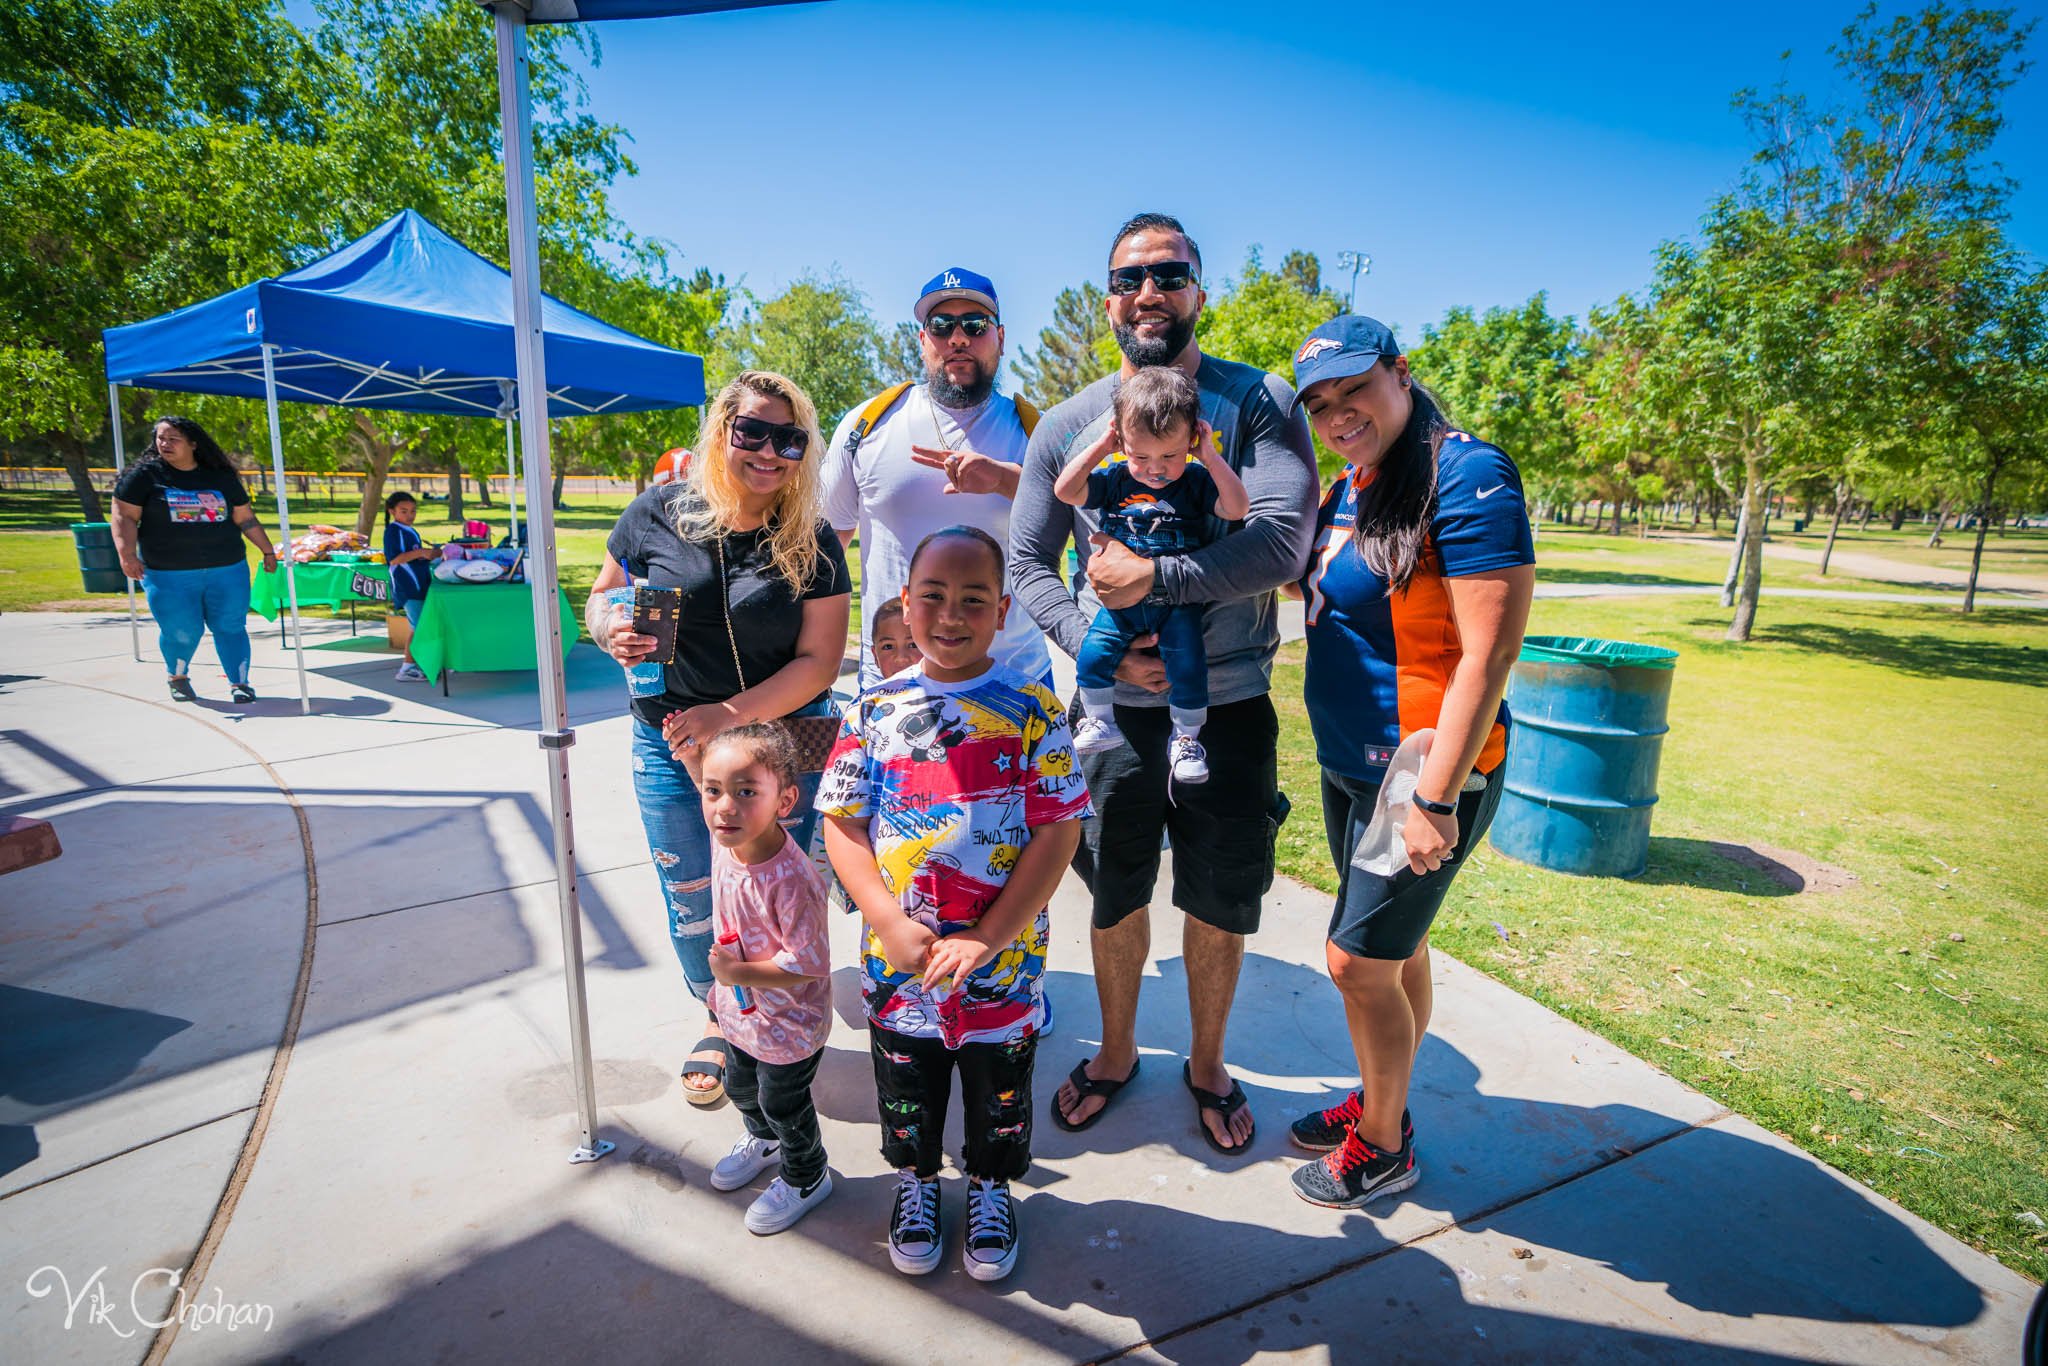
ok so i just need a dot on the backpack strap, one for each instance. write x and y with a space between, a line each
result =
870 415
1026 414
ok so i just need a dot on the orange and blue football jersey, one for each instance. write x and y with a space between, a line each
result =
1379 663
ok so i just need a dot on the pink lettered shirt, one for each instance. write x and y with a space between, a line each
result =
778 908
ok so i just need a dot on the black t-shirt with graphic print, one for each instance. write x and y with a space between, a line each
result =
188 516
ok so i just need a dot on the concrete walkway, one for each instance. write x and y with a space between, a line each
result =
370 886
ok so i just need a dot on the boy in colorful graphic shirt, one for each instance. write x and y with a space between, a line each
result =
1157 504
954 802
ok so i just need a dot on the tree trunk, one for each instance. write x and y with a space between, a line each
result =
1752 560
1616 531
1735 560
483 490
1695 510
555 499
453 466
73 451
1940 520
378 454
1983 520
1834 527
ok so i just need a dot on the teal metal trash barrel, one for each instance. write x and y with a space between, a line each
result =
98 562
1582 763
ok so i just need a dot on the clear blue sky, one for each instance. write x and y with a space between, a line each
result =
1479 151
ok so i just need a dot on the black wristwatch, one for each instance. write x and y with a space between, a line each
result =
1435 808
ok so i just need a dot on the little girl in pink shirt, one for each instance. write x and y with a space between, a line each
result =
771 965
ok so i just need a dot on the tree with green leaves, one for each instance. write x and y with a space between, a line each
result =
819 333
1068 357
1508 375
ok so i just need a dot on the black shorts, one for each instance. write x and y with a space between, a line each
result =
1388 917
1222 830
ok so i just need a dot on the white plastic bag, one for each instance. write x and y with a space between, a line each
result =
1382 850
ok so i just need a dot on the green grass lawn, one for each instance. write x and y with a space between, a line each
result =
1897 1028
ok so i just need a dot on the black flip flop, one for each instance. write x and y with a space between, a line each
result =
1090 1086
714 1070
1226 1106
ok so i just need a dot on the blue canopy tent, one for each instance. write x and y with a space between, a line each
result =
515 113
404 318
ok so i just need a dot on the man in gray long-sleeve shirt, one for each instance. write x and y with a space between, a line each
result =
1222 831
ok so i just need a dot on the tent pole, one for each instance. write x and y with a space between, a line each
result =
506 411
121 463
284 522
523 235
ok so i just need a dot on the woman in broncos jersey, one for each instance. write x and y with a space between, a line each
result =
1417 593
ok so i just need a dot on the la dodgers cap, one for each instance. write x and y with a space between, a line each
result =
1348 345
956 282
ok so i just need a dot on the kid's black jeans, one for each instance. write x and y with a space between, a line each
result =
914 1084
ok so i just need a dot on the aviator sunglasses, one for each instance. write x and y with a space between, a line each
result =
789 440
1170 276
941 325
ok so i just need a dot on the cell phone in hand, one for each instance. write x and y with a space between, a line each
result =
655 613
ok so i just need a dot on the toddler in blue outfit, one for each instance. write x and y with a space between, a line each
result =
1155 502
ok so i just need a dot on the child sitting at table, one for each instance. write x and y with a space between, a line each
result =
410 560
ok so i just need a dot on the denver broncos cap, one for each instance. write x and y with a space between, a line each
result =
956 283
1344 346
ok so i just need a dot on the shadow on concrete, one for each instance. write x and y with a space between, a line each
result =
236 916
1721 1223
566 1294
57 1049
286 703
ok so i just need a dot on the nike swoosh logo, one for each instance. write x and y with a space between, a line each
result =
1484 493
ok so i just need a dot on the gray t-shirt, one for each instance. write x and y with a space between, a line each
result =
1235 574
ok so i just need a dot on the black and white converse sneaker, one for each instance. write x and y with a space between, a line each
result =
914 1225
1356 1173
1325 1130
991 1248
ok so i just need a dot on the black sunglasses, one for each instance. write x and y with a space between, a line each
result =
941 325
751 434
1170 276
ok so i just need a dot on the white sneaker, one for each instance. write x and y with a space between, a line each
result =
783 1204
1190 760
1094 735
914 1240
991 1247
410 672
748 1159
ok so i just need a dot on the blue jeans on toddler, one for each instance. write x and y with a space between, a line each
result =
189 602
1179 628
673 815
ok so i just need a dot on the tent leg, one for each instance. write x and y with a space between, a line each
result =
555 735
284 522
512 481
121 463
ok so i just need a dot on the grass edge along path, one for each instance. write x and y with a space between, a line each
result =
1895 1028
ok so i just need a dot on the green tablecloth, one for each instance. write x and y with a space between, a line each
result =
477 627
322 583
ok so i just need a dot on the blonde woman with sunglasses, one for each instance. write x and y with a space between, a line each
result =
765 597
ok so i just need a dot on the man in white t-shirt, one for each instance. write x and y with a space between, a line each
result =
946 452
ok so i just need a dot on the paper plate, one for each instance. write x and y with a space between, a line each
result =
479 571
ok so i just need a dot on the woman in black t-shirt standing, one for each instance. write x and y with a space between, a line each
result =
765 600
180 513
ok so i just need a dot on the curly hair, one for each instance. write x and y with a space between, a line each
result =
205 449
711 504
767 744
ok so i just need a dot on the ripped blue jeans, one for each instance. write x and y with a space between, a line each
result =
677 837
